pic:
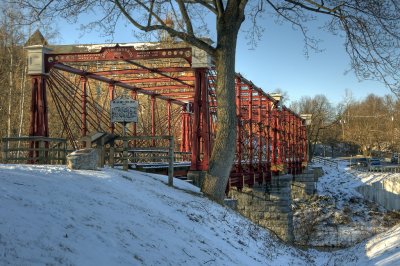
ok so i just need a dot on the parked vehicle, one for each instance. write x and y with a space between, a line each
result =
359 162
374 163
362 162
395 158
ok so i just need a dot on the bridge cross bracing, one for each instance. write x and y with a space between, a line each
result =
175 88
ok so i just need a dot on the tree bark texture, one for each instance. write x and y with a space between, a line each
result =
224 145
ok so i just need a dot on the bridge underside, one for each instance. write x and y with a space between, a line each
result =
176 95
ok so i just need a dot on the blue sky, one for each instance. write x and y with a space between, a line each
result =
277 62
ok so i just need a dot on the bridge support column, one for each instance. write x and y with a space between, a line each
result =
39 116
280 216
304 184
153 120
201 124
37 72
201 145
39 125
39 110
269 207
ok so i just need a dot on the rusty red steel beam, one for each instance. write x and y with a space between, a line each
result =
120 53
185 99
156 71
167 87
115 82
179 94
158 79
144 71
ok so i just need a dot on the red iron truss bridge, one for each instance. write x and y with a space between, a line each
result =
71 94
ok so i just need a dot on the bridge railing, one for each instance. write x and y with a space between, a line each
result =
34 149
124 151
326 161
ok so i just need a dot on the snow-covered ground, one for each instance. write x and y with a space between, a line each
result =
339 216
50 215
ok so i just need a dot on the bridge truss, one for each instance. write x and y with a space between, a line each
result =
175 88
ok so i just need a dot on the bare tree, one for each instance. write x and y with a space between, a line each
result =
371 123
371 29
323 116
11 72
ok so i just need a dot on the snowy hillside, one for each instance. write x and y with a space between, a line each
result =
53 216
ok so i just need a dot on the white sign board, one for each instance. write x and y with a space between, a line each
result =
124 110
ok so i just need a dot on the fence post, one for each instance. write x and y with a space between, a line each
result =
125 154
41 152
57 156
64 152
4 150
171 161
111 155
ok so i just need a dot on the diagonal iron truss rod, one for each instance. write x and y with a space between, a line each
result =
115 82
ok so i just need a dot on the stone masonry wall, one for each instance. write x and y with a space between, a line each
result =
268 206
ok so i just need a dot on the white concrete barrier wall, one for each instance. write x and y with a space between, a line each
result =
385 192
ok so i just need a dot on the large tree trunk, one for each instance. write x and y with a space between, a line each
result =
224 145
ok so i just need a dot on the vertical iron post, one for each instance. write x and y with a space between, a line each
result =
169 117
84 100
111 95
238 126
153 120
201 124
250 117
134 127
260 139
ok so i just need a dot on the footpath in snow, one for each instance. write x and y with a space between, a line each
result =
53 216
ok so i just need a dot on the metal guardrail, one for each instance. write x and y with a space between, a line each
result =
326 161
34 149
378 169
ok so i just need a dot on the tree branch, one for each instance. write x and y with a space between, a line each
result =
191 39
319 9
204 3
186 18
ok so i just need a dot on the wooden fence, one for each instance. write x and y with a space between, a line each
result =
41 150
135 150
130 151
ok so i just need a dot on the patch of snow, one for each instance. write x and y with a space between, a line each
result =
136 45
51 215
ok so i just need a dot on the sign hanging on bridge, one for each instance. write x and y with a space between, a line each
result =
124 110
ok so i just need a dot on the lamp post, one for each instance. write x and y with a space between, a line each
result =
342 122
307 118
